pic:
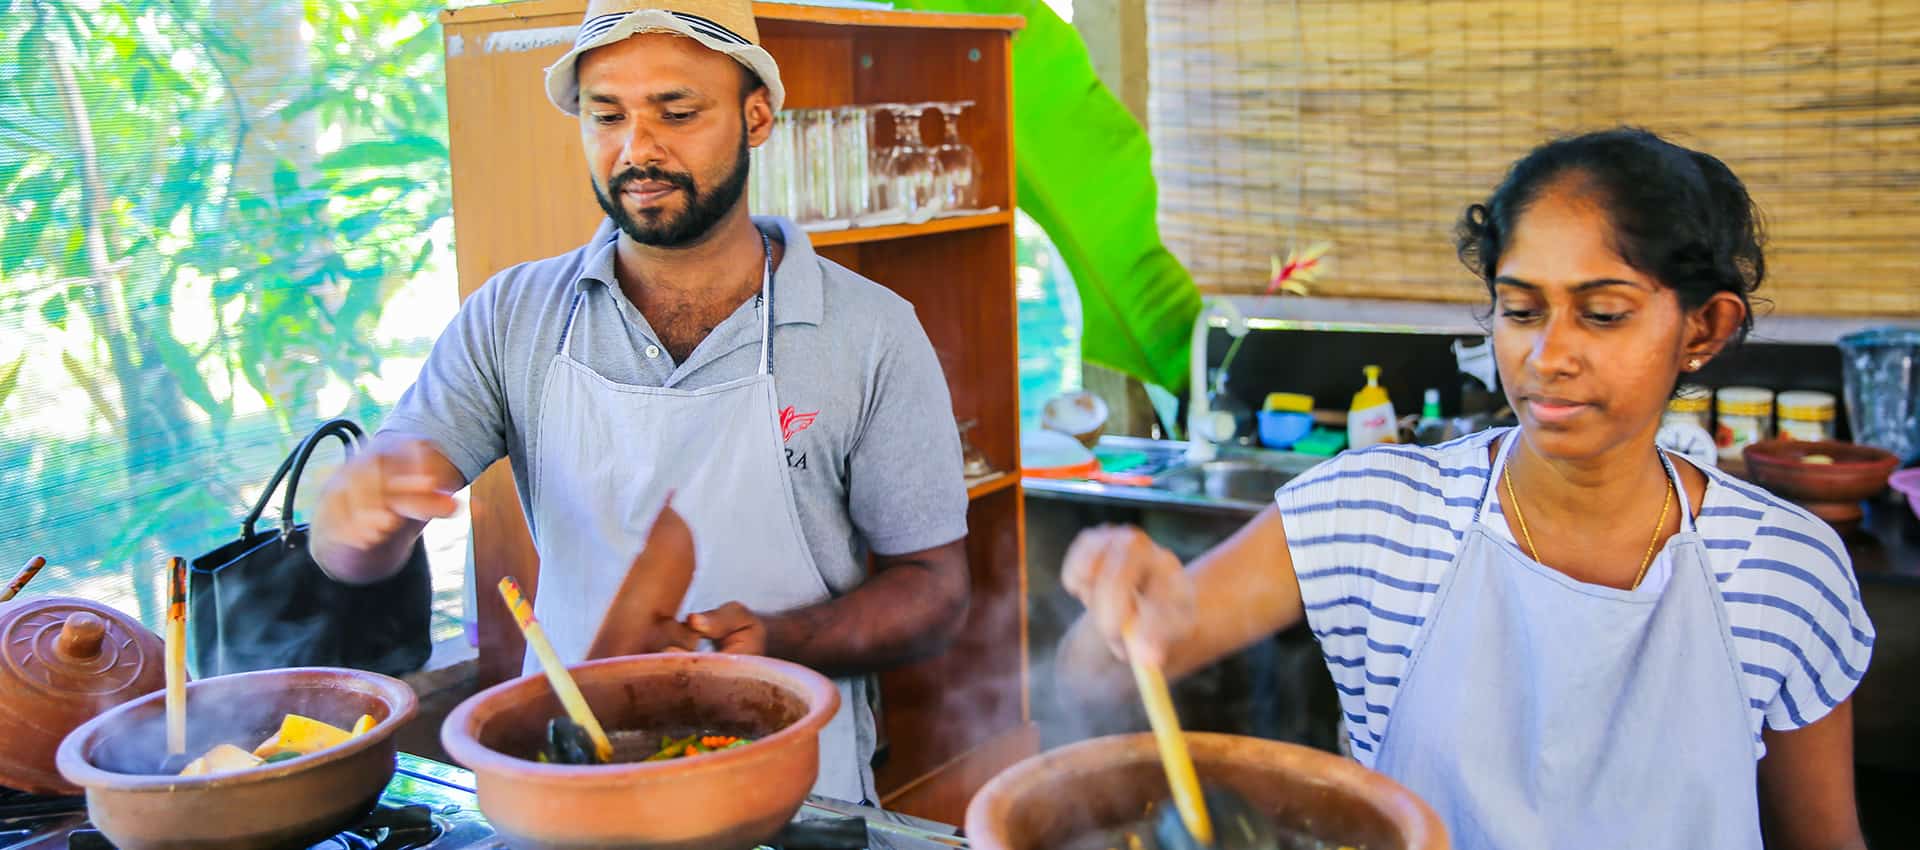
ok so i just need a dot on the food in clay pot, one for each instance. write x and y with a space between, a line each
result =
317 775
1110 794
743 794
62 662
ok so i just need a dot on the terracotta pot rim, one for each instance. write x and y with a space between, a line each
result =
1770 453
815 689
1406 810
75 754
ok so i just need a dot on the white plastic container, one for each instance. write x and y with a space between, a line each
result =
1806 415
1746 417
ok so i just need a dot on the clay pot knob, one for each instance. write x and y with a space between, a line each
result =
80 636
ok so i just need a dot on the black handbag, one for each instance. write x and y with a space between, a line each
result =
261 602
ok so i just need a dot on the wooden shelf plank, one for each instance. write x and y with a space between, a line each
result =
992 484
799 13
861 235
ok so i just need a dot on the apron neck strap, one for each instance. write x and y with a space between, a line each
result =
1505 454
766 305
766 311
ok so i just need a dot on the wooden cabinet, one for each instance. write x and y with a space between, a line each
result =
520 192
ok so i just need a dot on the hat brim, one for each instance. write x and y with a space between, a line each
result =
563 78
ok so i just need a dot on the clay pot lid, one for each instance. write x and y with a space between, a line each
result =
65 659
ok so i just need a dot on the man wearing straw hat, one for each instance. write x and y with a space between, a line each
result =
795 411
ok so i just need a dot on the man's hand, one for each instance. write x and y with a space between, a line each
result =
372 510
732 628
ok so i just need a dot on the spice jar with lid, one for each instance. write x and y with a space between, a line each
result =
1746 417
1806 415
1691 404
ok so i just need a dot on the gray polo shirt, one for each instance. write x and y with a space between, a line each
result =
877 470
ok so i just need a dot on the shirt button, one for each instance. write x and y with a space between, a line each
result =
653 352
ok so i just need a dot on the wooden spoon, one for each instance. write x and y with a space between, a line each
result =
557 676
176 658
20 581
1173 745
647 605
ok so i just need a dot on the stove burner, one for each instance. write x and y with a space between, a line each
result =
19 805
385 828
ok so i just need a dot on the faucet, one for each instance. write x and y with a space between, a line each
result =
1207 427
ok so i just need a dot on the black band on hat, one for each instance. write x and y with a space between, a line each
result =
600 25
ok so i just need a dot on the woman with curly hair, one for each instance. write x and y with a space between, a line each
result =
1557 634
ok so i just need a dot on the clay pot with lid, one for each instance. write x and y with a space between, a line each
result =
62 662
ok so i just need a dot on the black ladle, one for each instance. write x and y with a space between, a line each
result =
1237 824
568 743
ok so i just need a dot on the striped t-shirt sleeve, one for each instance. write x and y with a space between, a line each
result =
1370 533
1794 607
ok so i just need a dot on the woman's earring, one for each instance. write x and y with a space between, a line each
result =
1693 365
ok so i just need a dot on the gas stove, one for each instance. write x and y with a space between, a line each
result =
432 806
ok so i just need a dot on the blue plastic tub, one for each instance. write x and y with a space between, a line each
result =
1280 429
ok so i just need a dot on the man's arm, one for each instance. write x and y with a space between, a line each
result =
447 427
374 508
910 609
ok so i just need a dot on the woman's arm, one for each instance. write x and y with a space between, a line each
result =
1806 786
1237 593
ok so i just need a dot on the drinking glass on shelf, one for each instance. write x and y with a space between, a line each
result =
852 130
771 177
817 193
959 167
910 164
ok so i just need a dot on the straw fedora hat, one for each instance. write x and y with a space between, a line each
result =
722 25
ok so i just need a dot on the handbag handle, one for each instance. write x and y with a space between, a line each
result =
296 462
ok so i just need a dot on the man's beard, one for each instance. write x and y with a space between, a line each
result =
703 210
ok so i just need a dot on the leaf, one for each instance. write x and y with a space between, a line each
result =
91 385
1084 170
356 227
185 369
11 378
405 150
54 311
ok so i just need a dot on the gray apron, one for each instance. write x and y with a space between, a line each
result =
1538 711
608 454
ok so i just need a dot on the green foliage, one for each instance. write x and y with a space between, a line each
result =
200 196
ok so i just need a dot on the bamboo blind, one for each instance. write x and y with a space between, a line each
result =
1373 124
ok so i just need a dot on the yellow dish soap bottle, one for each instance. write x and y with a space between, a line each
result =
1371 420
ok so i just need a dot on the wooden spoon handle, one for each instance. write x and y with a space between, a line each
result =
564 687
1173 744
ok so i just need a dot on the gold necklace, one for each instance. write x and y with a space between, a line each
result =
1666 504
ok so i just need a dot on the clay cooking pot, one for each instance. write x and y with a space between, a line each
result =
718 801
282 804
1047 800
63 661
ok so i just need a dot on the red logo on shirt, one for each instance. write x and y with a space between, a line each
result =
793 422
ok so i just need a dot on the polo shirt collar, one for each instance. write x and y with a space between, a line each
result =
799 285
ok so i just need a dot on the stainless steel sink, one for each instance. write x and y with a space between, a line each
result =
1234 480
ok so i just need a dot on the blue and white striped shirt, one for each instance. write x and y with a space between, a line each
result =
1373 532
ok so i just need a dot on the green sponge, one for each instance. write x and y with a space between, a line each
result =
1321 443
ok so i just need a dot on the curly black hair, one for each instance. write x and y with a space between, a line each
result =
1679 215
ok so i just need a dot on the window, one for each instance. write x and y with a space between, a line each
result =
218 227
1049 315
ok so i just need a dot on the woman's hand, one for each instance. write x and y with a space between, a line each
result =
1127 580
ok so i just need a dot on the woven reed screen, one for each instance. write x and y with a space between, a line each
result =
1372 124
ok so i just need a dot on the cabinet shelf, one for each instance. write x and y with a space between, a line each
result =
864 235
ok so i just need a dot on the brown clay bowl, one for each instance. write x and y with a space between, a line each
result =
290 803
1857 472
719 801
1046 801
